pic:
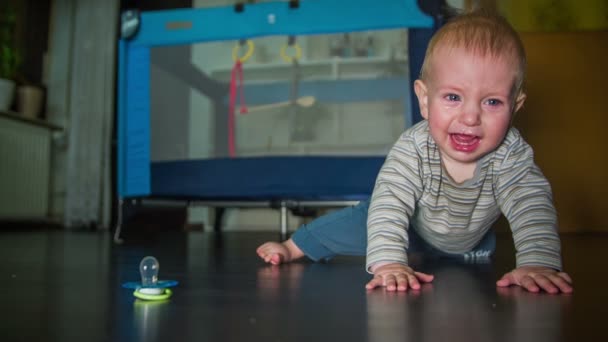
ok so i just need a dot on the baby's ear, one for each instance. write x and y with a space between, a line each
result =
519 101
423 99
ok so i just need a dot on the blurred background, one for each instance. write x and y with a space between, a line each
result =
58 125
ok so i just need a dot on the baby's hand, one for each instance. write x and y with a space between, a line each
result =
397 277
535 278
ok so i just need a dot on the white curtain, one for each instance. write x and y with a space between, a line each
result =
81 87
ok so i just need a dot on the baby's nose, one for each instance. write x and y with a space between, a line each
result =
471 115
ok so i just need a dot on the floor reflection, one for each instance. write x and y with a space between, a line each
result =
463 304
148 318
532 316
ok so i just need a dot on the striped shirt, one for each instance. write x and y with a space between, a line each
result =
413 191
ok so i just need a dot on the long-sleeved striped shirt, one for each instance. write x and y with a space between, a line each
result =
413 191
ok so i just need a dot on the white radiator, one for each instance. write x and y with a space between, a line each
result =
24 169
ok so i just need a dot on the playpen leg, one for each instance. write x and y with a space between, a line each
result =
284 216
117 238
219 219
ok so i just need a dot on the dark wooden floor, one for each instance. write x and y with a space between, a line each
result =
59 286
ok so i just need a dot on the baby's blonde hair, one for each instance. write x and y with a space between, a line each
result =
483 33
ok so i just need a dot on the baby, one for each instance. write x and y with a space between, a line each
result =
448 178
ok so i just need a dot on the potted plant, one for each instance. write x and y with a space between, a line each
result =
10 58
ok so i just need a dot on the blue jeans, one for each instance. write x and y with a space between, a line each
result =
344 232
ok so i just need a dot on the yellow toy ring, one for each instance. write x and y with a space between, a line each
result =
162 296
248 53
287 58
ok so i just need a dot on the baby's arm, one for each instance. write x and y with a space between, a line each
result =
398 186
397 277
526 200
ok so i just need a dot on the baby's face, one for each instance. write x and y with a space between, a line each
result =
468 103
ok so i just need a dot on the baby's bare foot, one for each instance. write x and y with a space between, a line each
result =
277 253
273 253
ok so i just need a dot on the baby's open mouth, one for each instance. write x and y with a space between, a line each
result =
464 142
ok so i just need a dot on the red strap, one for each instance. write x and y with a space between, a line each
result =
236 86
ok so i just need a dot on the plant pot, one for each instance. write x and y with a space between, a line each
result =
7 93
30 100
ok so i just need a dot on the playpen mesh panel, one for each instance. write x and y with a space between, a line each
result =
358 84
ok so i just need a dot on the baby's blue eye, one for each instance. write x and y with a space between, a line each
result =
494 102
452 97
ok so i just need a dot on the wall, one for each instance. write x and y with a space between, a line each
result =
555 15
565 118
